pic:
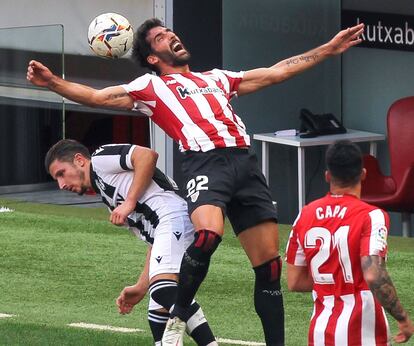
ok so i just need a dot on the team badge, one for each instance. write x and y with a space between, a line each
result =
194 196
195 185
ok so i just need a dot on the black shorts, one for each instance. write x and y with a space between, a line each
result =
229 178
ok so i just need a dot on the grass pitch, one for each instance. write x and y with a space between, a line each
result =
62 265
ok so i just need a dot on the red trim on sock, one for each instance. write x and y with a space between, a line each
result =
200 240
275 269
209 242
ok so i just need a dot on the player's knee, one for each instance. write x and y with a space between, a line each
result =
164 292
269 271
204 244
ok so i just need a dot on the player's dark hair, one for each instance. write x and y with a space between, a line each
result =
344 162
65 151
141 48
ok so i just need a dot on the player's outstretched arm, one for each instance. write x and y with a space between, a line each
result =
132 295
113 97
144 161
257 79
381 286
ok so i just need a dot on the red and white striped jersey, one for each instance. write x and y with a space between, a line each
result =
192 108
330 236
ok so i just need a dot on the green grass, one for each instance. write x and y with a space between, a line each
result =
60 265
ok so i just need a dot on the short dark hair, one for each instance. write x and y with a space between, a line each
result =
141 48
65 151
344 162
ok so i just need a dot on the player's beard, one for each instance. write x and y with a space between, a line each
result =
175 60
182 60
83 188
82 191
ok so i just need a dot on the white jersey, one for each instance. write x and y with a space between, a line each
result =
192 108
111 177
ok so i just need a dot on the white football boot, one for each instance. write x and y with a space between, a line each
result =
174 332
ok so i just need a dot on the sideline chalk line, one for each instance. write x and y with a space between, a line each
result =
104 327
134 330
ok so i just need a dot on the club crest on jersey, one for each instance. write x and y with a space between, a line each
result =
194 196
184 92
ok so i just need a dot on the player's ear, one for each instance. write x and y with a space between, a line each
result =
79 159
327 176
363 174
152 59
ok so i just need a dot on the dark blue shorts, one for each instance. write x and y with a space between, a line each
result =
229 178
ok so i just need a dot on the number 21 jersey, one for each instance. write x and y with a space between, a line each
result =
330 236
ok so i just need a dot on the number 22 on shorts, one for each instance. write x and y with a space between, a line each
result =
195 185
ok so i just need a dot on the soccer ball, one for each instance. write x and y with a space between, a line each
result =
110 35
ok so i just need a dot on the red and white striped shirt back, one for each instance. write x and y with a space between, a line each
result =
330 236
192 108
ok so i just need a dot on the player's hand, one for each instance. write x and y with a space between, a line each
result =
120 213
129 297
38 74
346 39
406 330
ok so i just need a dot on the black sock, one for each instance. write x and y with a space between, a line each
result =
157 321
194 268
268 301
164 292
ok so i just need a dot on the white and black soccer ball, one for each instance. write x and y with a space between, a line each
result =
110 35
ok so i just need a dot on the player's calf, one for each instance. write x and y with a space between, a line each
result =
194 268
164 292
157 321
198 327
268 300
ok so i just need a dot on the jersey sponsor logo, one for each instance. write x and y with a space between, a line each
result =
184 91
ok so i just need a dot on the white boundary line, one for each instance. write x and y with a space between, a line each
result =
134 330
240 342
104 327
6 315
